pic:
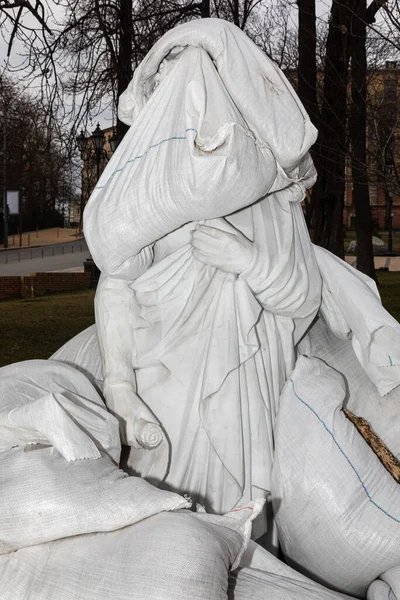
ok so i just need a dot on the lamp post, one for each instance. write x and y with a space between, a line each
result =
390 192
93 149
5 207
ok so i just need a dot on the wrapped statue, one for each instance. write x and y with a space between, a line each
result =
209 279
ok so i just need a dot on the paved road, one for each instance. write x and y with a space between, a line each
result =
57 257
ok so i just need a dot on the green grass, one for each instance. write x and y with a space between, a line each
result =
37 328
389 289
351 235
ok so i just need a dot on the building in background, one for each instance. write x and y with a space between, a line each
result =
383 150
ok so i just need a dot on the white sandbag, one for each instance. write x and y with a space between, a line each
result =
387 587
337 508
215 126
44 497
51 403
170 556
362 396
252 584
82 352
261 576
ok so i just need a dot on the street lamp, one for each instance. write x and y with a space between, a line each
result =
390 192
93 149
98 141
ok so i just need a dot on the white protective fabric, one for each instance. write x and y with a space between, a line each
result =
83 355
387 587
362 396
49 413
170 556
261 575
336 506
352 308
47 402
206 352
214 132
201 352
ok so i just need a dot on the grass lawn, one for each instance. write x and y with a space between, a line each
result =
389 289
37 328
351 235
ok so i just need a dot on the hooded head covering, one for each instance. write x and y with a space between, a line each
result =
215 126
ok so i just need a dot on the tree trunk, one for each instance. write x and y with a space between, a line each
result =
205 9
307 78
307 69
358 136
330 188
124 60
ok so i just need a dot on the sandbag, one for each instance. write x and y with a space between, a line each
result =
387 587
215 126
59 445
362 396
51 403
262 576
82 352
170 556
337 508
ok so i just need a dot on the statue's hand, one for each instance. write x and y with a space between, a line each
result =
139 428
229 251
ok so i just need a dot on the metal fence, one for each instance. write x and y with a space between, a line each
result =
22 254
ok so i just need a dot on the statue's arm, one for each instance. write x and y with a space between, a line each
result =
112 309
113 306
283 274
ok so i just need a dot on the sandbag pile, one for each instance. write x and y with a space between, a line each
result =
61 491
58 471
79 528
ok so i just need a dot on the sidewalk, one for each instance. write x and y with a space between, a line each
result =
390 262
43 237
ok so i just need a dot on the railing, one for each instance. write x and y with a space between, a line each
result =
22 254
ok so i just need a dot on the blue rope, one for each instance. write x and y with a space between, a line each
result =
345 455
131 160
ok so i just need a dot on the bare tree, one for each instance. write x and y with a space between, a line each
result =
12 14
361 16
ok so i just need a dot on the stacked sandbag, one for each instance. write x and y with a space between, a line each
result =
337 508
387 587
261 575
58 453
170 556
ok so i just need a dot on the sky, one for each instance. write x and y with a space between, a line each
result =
58 12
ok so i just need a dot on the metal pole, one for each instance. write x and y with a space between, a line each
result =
390 232
5 209
98 165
